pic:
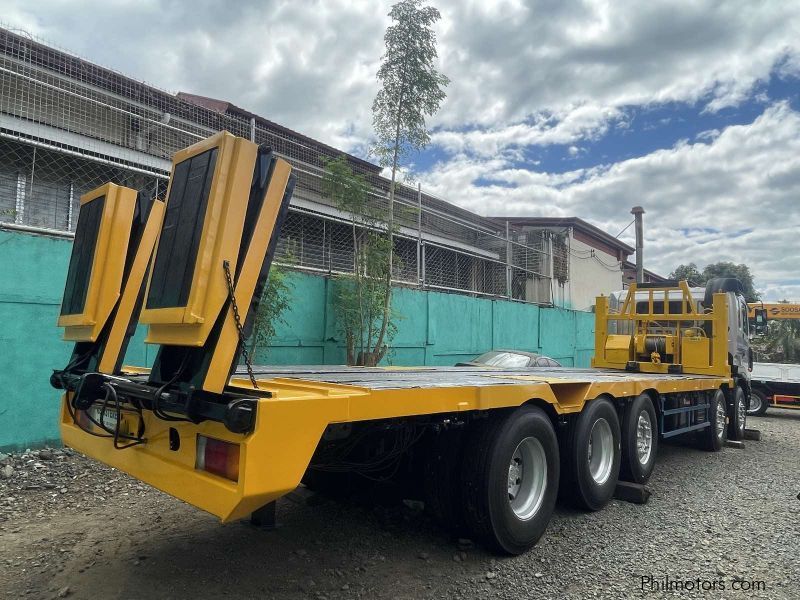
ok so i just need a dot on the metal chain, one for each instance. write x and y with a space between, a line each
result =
238 320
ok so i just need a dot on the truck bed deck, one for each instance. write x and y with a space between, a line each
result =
387 378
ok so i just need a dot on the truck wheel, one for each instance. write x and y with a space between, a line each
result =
712 438
738 415
593 456
758 403
510 479
639 440
442 479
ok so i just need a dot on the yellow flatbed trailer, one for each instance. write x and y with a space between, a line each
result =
488 450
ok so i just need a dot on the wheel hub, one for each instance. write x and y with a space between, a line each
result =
720 419
741 412
644 437
527 478
601 451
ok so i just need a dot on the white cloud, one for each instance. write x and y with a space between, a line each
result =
523 74
586 122
542 72
308 65
738 194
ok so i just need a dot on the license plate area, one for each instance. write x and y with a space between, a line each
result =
107 417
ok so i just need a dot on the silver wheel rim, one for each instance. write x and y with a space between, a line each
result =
741 411
527 478
644 437
720 419
601 451
755 403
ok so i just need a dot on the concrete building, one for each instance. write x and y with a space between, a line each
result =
587 261
629 275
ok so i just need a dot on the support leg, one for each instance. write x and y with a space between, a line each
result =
264 517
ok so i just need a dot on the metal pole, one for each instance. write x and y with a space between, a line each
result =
551 271
424 277
637 212
19 208
252 129
69 207
419 233
508 261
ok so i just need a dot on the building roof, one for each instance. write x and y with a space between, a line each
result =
225 107
577 224
629 273
373 170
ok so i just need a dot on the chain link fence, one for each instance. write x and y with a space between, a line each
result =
68 126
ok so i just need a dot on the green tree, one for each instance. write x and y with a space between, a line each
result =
359 298
274 301
740 272
411 90
690 273
696 278
781 342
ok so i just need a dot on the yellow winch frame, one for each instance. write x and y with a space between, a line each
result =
696 341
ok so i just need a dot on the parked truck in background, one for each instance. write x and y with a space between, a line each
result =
776 385
773 384
487 450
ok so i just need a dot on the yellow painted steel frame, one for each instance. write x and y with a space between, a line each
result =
218 373
289 425
105 280
290 422
110 356
608 348
220 241
776 310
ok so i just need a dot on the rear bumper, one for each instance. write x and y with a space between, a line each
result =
273 458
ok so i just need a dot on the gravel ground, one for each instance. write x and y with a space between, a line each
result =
70 527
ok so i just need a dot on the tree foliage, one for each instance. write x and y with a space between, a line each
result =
697 278
274 301
359 299
780 343
690 273
411 89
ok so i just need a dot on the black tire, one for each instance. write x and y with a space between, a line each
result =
761 404
488 456
713 438
442 479
579 487
737 414
632 468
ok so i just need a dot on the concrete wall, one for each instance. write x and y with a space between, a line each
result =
590 275
434 329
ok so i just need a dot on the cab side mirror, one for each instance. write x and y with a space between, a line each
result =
760 320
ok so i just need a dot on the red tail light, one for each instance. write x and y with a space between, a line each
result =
218 457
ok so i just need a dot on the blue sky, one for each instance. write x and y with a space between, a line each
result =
641 130
555 108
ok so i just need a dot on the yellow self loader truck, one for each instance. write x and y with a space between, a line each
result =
487 450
